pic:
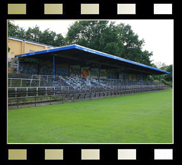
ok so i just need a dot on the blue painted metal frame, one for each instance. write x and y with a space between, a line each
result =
91 51
53 69
99 72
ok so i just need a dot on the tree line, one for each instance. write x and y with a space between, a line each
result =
119 40
48 36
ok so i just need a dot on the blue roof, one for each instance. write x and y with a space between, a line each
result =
75 46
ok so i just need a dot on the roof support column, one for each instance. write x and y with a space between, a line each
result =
99 72
18 65
141 80
125 76
159 80
53 69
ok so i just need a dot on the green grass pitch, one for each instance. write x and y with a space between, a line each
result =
138 118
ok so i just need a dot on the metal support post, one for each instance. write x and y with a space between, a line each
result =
141 80
35 100
15 92
46 91
39 79
53 64
18 65
26 91
125 77
36 91
99 73
159 80
10 82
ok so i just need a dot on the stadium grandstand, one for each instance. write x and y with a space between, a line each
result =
75 72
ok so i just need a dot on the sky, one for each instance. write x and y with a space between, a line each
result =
157 33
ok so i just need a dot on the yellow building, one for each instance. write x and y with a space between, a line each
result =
20 46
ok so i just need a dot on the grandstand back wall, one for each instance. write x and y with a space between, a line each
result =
45 67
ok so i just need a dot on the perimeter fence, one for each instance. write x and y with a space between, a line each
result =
53 97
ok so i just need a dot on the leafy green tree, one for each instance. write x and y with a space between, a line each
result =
97 35
145 58
33 34
86 33
133 45
47 37
21 33
59 40
119 40
16 31
168 77
51 38
12 29
110 42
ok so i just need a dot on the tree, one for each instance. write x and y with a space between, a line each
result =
15 31
96 35
119 40
168 77
21 33
12 30
33 34
47 37
110 42
161 65
59 40
132 45
86 33
145 58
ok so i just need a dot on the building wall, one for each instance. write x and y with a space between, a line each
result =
17 47
32 47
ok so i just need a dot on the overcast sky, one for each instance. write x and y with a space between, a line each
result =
158 34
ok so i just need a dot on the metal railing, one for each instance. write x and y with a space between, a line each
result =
47 80
37 91
20 101
33 101
22 82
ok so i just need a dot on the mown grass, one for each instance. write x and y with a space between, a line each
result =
139 118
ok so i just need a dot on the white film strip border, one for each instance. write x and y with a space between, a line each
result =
90 154
90 9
